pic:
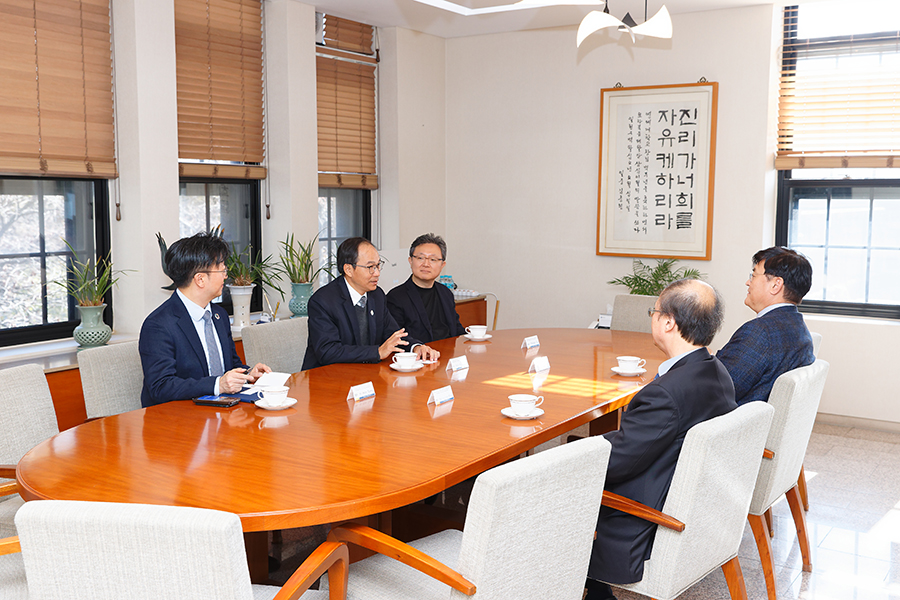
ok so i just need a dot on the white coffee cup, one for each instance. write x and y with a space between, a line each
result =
524 404
630 364
405 360
477 332
275 395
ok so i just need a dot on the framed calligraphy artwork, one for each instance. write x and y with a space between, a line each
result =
657 168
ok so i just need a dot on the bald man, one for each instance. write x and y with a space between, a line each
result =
692 387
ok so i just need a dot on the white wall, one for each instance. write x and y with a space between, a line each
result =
522 152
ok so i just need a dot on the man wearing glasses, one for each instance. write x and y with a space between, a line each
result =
349 321
777 340
427 311
186 346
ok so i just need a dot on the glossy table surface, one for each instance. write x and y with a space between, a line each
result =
327 459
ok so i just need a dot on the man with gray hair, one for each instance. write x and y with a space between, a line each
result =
427 311
692 387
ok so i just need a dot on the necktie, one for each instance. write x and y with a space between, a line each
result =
363 321
212 350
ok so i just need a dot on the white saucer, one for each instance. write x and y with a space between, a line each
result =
486 337
534 414
625 373
416 366
261 403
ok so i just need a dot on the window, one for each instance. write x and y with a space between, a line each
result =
839 138
342 214
37 217
233 205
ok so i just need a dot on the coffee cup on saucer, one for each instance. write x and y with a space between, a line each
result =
477 332
275 395
630 364
523 405
405 360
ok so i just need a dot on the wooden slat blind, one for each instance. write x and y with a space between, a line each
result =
839 100
345 92
56 99
218 48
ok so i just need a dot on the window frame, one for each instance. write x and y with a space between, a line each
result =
102 247
782 227
256 302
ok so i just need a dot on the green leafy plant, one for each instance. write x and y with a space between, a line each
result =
89 282
298 260
243 270
648 281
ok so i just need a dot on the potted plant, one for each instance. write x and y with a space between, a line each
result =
244 273
647 281
88 283
298 262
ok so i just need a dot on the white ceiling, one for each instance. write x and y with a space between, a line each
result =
420 17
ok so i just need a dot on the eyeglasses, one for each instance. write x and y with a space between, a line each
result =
372 268
650 312
222 272
434 261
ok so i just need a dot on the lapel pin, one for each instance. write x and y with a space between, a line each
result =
216 315
372 312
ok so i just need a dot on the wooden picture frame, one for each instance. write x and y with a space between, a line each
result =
657 170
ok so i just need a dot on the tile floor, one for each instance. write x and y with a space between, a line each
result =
853 521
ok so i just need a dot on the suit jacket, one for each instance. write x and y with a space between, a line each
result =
334 330
405 304
643 456
765 348
172 356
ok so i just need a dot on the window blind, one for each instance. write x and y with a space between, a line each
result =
839 100
345 104
218 50
56 102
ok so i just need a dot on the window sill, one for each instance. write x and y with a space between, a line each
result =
55 355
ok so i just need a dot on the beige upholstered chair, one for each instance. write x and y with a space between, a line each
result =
630 313
12 571
816 340
109 551
795 398
281 344
28 419
112 378
708 501
801 481
528 535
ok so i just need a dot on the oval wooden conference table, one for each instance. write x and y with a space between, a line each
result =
326 459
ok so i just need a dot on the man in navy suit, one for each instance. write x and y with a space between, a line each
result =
692 387
186 345
427 311
777 340
348 319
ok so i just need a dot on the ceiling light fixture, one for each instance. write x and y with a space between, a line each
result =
660 26
453 7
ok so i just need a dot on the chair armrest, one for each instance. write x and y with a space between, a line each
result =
8 471
7 489
10 545
643 511
768 453
381 543
333 557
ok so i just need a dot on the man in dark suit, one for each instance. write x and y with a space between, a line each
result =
692 387
777 340
186 345
427 311
348 319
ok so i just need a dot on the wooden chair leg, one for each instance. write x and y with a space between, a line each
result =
770 524
794 501
764 547
734 577
801 485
